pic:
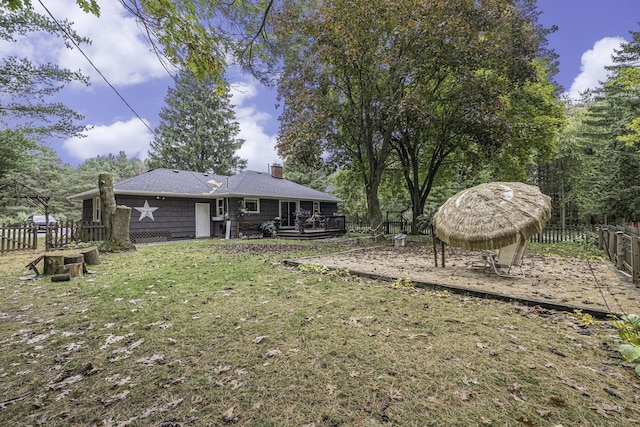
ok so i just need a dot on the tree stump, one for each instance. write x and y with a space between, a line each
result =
120 220
73 259
63 277
73 270
91 256
52 263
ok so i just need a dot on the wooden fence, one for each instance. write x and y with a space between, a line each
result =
20 237
622 245
550 234
554 233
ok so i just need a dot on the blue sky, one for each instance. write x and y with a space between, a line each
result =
588 32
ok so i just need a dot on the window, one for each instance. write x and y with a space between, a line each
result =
95 216
251 205
219 207
316 207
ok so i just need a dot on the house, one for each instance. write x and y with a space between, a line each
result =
171 204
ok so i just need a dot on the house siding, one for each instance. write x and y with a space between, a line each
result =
175 217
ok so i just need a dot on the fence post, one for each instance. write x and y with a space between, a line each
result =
635 260
612 245
620 249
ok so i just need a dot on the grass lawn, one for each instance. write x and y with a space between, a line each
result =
215 333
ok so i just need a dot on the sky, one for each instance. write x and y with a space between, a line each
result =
589 31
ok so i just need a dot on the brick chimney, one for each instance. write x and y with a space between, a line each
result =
276 171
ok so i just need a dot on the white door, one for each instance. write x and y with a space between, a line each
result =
203 223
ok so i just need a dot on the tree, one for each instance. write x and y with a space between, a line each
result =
26 87
197 130
300 174
427 80
116 219
626 78
610 135
85 176
15 148
194 35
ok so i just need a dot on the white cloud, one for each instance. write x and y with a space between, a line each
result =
594 61
259 147
118 49
131 136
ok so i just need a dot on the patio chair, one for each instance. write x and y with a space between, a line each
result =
507 259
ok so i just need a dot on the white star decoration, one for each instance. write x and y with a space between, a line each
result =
146 211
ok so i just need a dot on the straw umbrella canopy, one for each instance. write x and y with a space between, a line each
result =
492 215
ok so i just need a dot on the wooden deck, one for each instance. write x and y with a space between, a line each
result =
310 233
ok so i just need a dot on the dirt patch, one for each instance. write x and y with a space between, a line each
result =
593 284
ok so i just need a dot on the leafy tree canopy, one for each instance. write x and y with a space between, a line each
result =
194 35
426 79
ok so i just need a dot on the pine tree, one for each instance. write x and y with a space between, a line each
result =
197 129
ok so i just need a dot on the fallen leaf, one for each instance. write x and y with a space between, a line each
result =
557 400
515 387
170 405
156 359
271 353
524 420
543 412
218 370
464 394
8 402
62 395
486 421
61 383
395 394
116 398
258 340
331 388
229 416
117 381
354 321
499 403
557 352
468 381
257 405
168 382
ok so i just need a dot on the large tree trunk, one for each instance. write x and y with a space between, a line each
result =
373 207
107 204
114 218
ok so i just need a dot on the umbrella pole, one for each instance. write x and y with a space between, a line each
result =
442 249
435 246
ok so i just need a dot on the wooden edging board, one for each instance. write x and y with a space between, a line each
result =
600 314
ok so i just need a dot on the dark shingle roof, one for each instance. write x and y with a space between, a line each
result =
178 183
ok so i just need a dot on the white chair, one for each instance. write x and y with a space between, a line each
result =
508 258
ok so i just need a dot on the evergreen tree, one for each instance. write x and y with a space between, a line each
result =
26 88
197 130
610 135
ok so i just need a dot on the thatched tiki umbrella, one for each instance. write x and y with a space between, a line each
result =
492 216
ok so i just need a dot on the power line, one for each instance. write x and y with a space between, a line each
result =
95 68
